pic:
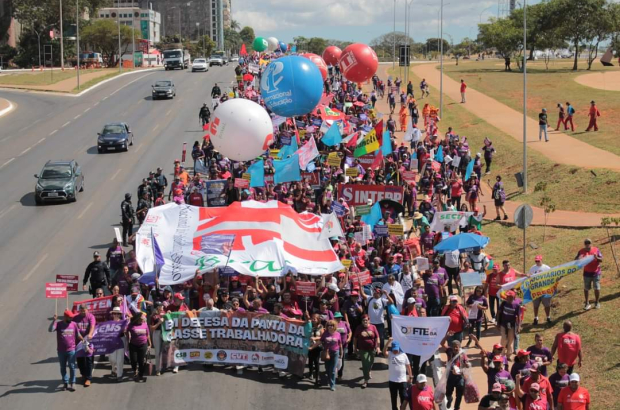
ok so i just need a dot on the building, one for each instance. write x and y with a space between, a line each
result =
227 13
13 27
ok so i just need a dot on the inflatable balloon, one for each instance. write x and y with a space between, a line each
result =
331 55
241 129
291 86
273 44
283 46
358 62
319 63
260 44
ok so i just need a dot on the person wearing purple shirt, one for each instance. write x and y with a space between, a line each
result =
257 306
539 351
67 335
345 335
333 345
440 271
479 301
139 343
497 373
433 286
85 322
558 381
521 365
509 320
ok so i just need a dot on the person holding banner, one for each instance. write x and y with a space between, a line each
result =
85 322
139 342
67 334
539 267
332 344
366 342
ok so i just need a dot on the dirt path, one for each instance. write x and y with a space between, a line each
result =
608 81
562 148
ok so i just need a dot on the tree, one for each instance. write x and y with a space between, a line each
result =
577 21
546 203
232 40
599 32
384 45
433 44
234 25
7 53
247 36
102 36
503 35
459 51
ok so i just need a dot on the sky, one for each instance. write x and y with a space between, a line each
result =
362 20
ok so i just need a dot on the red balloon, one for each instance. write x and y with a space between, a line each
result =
358 62
331 55
319 63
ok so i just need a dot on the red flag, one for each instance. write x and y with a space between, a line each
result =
379 131
243 51
353 141
378 160
207 137
205 127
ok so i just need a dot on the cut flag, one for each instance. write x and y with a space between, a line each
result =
332 136
290 149
469 170
331 227
386 144
439 154
158 256
350 140
376 163
287 170
370 142
374 216
243 51
257 174
307 153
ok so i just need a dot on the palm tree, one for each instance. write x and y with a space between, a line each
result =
234 25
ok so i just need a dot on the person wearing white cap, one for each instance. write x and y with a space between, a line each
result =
539 267
421 396
117 357
574 397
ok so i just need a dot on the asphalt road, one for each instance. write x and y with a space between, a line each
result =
40 242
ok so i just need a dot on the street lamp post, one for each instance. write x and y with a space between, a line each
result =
133 38
524 96
441 65
118 22
77 40
62 45
394 39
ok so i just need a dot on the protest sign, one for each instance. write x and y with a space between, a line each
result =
305 288
55 290
453 219
247 176
396 229
544 284
253 68
215 192
242 338
410 176
72 281
362 278
106 338
333 160
352 172
242 183
357 194
422 263
365 160
381 230
338 209
117 234
362 210
346 263
98 307
285 139
419 335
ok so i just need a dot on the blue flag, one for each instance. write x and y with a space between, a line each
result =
287 170
374 216
439 154
200 167
332 136
470 169
386 146
257 174
290 149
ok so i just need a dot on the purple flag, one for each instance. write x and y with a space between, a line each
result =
106 339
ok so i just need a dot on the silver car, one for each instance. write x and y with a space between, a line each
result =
200 64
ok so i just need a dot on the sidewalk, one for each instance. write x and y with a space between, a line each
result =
561 148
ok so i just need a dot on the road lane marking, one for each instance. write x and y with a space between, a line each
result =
115 174
155 128
6 211
65 124
52 133
84 211
35 267
97 103
6 138
138 149
7 163
86 110
77 116
169 111
40 141
129 83
25 151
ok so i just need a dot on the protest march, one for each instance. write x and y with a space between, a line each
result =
310 233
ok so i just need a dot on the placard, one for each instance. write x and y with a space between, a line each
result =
273 153
422 263
305 288
216 195
362 278
55 290
242 183
333 160
381 230
362 209
352 172
346 263
247 176
410 176
117 233
396 229
72 281
358 194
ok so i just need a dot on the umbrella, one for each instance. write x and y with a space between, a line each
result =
464 242
394 207
248 77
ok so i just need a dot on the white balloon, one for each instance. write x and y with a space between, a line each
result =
241 129
274 44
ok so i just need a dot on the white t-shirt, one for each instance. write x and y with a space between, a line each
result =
537 269
397 367
452 259
376 307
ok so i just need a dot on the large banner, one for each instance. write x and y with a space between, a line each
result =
243 338
271 239
98 307
453 219
355 195
544 284
420 336
106 338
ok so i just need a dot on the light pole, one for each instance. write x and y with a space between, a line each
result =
77 40
524 96
408 4
393 40
441 64
62 45
118 22
133 38
490 7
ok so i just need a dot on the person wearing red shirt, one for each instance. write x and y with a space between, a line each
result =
458 319
594 113
463 88
546 391
177 305
568 346
421 396
532 397
591 274
574 397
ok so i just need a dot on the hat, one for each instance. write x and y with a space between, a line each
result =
497 346
95 254
355 293
135 290
538 258
342 275
411 301
234 278
398 255
574 377
333 287
453 297
498 358
592 102
69 313
497 387
135 276
534 368
395 344
544 109
535 386
116 309
508 385
179 296
421 378
176 160
522 353
338 314
496 268
417 215
510 293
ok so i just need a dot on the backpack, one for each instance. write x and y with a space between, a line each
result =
571 110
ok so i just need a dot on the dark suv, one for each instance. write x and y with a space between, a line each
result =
59 181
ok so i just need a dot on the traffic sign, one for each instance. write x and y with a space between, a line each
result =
523 216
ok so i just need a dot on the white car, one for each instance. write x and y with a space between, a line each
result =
234 58
200 64
216 60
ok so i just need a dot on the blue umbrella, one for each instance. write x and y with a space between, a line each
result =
464 242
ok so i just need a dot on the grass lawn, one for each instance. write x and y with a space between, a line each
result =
95 81
39 78
598 328
572 188
547 88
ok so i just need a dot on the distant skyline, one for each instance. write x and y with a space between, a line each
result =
362 20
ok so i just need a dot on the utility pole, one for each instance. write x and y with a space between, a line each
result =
133 37
524 97
77 39
62 46
441 64
393 39
118 21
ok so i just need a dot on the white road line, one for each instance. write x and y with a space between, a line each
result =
7 163
155 128
65 124
40 141
25 151
103 99
169 111
77 116
35 267
6 138
85 210
129 83
138 149
86 110
115 174
97 103
6 211
52 133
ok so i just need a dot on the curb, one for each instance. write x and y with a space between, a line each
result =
8 109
